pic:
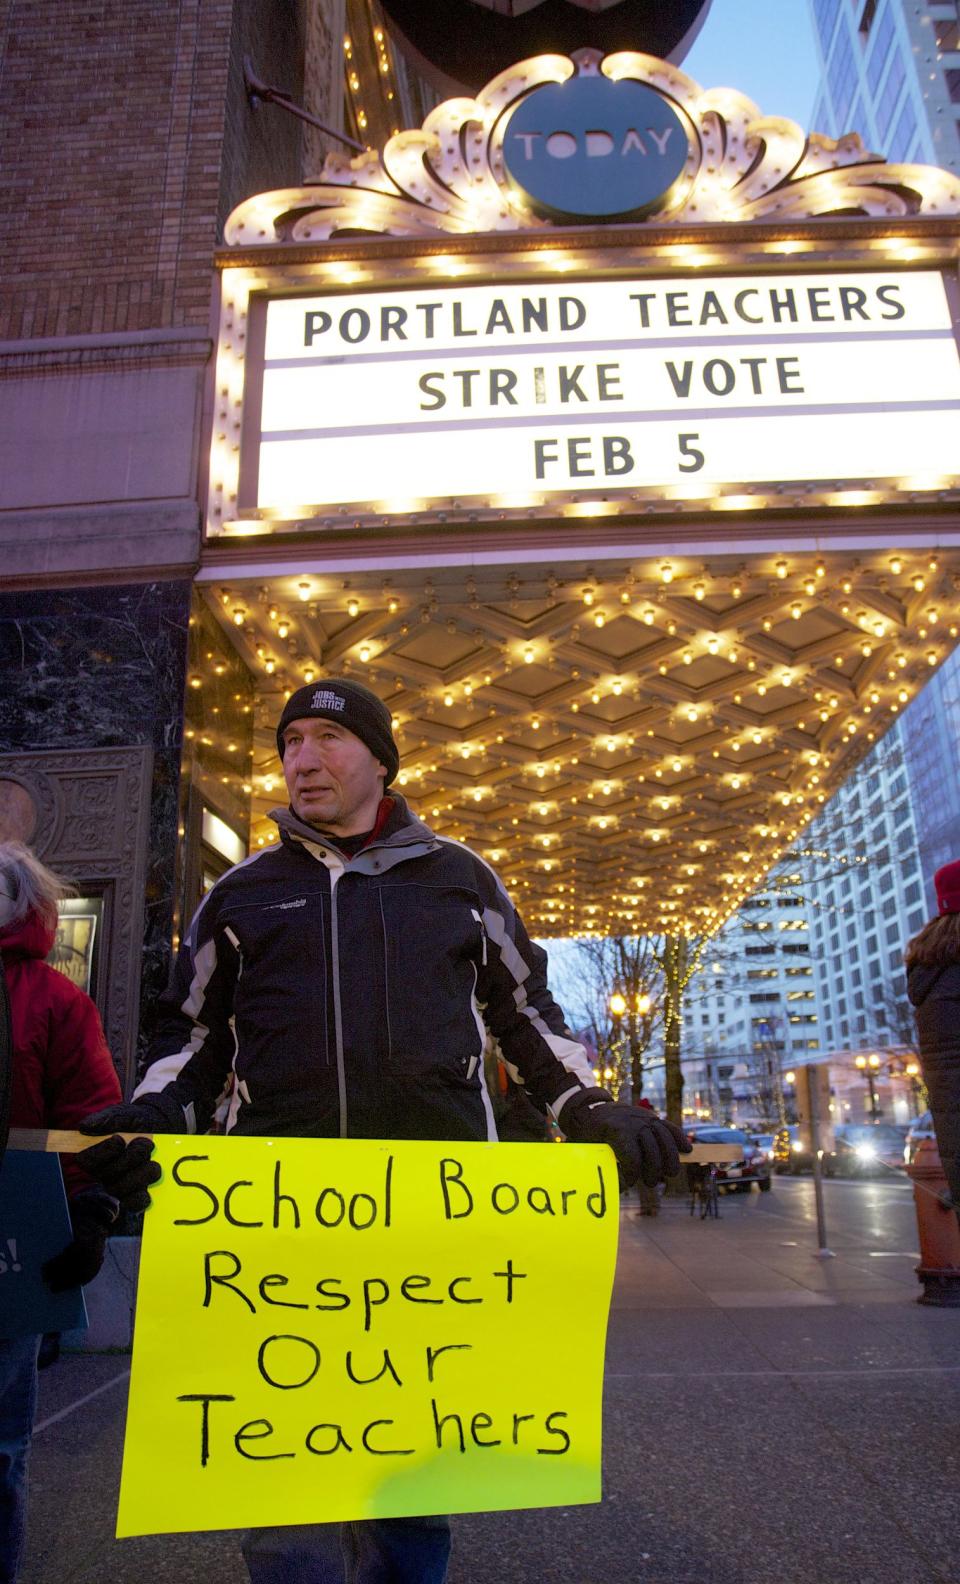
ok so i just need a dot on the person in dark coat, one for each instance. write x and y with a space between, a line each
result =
338 977
933 985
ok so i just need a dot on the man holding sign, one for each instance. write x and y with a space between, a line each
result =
341 985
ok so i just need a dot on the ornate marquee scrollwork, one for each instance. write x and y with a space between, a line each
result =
449 176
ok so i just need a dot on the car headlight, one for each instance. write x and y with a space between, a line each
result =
865 1152
796 1145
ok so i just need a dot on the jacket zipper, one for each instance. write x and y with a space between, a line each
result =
335 873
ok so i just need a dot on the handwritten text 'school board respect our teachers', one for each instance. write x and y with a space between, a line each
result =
344 1329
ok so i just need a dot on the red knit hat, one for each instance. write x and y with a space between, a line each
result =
946 883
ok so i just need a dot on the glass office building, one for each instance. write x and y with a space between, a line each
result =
891 72
813 969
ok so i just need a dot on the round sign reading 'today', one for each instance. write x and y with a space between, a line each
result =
591 148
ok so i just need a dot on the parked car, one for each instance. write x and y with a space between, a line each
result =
862 1149
920 1128
754 1167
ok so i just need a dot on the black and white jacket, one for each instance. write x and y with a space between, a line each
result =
344 995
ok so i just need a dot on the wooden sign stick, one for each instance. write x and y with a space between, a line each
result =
60 1141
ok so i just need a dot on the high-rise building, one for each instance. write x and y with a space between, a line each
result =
930 733
812 969
890 71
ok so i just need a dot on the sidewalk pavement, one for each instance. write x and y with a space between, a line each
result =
768 1416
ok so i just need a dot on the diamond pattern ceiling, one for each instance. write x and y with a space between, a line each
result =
631 744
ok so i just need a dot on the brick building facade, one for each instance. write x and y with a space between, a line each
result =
126 137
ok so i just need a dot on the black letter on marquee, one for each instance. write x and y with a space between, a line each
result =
542 456
617 456
429 389
314 324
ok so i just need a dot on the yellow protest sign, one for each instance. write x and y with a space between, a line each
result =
334 1329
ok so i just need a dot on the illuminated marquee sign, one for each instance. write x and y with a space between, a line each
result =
525 395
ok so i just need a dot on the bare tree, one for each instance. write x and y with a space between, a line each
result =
619 1001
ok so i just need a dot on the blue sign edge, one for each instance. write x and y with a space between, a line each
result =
640 212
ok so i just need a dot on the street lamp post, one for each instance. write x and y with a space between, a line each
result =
868 1065
618 1006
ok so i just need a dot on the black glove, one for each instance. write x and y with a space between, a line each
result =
92 1215
646 1148
149 1113
124 1170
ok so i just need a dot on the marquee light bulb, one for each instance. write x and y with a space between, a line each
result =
666 572
303 589
353 607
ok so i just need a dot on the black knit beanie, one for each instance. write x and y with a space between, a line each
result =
353 706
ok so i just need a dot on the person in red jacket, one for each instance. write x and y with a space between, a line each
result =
60 1069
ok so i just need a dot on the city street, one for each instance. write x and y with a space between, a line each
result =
769 1415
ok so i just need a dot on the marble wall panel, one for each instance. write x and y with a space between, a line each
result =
101 668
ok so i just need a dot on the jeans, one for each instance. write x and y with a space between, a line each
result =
18 1404
377 1551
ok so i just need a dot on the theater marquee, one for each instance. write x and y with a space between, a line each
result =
596 289
534 394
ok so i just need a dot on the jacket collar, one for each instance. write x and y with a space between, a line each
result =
402 836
